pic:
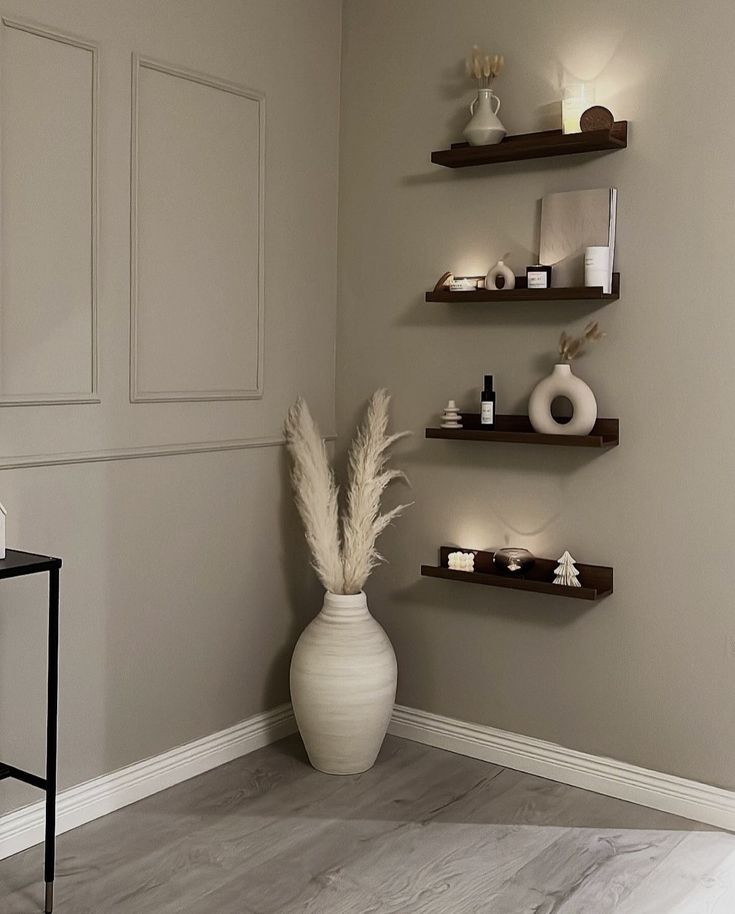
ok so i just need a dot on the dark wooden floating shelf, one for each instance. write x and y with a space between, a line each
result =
523 293
534 146
518 430
596 580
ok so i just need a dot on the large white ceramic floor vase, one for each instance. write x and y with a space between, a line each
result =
343 685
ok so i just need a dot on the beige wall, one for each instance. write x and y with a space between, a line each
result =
180 598
645 676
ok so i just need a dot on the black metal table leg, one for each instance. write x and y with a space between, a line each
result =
51 738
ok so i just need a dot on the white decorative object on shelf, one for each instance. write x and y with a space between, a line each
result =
562 383
500 277
597 268
464 284
451 417
484 128
461 561
3 514
566 573
576 99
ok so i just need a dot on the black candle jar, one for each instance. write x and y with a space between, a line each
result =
538 277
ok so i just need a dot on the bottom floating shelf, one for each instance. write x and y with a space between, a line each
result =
596 580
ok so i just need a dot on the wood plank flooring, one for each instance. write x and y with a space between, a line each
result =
424 832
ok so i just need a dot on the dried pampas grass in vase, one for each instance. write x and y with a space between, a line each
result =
343 669
368 478
343 554
571 347
483 67
316 495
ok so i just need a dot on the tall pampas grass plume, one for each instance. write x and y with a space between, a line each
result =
316 494
343 555
368 478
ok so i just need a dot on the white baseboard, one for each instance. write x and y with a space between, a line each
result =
679 796
23 828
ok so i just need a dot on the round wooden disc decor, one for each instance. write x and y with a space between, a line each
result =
596 118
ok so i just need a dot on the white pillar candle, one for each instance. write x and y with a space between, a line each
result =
575 101
597 267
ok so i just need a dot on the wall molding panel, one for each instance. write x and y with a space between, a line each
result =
654 789
90 394
141 392
146 451
86 802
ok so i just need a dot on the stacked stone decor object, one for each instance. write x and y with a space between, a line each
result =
451 417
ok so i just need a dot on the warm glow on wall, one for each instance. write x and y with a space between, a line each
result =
472 535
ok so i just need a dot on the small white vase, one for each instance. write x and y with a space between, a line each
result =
495 272
562 383
343 685
484 127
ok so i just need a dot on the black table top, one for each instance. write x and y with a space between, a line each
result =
17 563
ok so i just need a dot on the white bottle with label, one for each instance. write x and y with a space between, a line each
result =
487 404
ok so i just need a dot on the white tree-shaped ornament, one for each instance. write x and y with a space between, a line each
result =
566 573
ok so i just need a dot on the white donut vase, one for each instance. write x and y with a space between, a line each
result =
562 383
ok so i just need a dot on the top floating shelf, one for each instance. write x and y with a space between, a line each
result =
534 146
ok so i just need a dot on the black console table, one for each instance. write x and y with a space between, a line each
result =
14 565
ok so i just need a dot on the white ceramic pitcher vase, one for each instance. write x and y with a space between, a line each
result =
485 127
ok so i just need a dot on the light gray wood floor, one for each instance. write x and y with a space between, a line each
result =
424 832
